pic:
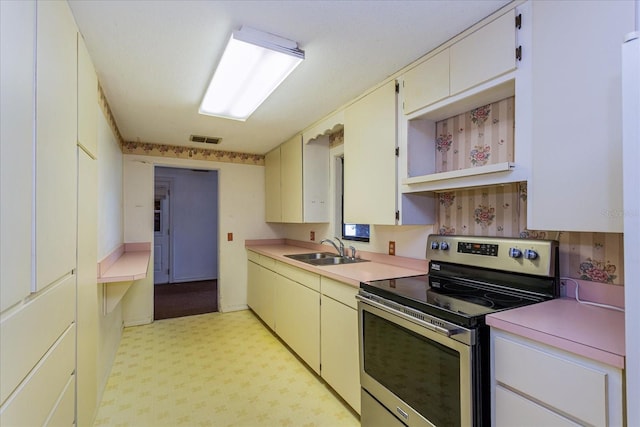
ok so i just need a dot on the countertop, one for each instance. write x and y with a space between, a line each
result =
379 267
593 332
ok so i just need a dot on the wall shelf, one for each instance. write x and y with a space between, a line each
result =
128 263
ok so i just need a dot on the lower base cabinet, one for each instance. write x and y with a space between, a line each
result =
339 340
538 385
297 313
315 316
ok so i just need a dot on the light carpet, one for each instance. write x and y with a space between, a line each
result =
216 369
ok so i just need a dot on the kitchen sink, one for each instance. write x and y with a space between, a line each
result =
324 258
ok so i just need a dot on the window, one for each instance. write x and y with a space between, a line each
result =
358 232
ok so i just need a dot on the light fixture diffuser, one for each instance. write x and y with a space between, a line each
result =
252 66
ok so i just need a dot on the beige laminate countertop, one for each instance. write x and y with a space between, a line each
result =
380 267
593 332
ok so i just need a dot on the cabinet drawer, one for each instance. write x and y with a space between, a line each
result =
514 410
42 320
267 262
252 256
63 413
306 278
558 382
342 292
36 398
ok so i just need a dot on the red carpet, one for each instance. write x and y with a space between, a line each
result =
185 299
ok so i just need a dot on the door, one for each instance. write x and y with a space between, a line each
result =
161 235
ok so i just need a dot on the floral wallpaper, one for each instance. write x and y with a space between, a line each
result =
502 211
479 137
181 152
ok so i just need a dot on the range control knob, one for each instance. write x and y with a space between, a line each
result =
444 246
434 245
530 254
515 253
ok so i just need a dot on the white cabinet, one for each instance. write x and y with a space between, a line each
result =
261 289
291 179
87 101
572 106
340 363
297 181
297 311
273 198
17 40
56 132
369 158
548 386
427 83
484 54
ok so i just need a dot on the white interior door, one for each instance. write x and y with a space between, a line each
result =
161 233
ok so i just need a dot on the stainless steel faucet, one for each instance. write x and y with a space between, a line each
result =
353 252
340 249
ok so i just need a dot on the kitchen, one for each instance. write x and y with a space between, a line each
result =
124 180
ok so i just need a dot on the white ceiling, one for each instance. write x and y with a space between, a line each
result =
154 59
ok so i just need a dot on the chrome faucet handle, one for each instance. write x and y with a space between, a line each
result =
353 252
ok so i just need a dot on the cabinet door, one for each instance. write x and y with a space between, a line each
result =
297 319
291 179
273 200
56 129
484 54
426 83
87 101
576 121
261 292
339 350
370 181
17 39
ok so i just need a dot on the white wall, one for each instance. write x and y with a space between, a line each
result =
410 240
241 212
110 235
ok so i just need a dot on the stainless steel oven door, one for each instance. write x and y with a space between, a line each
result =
417 370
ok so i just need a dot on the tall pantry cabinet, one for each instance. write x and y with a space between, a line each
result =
38 213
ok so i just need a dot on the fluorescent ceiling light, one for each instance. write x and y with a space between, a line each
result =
252 66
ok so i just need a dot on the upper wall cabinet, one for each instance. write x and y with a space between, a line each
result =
426 83
481 56
297 181
273 198
369 158
291 179
87 101
56 134
571 114
484 54
446 91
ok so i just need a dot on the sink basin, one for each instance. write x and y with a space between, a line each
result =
311 256
324 258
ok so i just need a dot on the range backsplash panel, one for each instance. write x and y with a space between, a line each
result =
502 211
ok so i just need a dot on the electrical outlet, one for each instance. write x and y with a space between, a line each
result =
392 247
312 235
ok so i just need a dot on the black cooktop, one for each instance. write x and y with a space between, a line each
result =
465 304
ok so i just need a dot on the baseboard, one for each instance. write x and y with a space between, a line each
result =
230 308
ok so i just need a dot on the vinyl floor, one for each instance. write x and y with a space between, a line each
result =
216 369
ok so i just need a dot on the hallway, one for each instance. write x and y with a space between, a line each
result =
214 370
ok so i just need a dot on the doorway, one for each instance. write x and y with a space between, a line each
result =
185 242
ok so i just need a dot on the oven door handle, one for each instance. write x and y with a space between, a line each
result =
436 328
